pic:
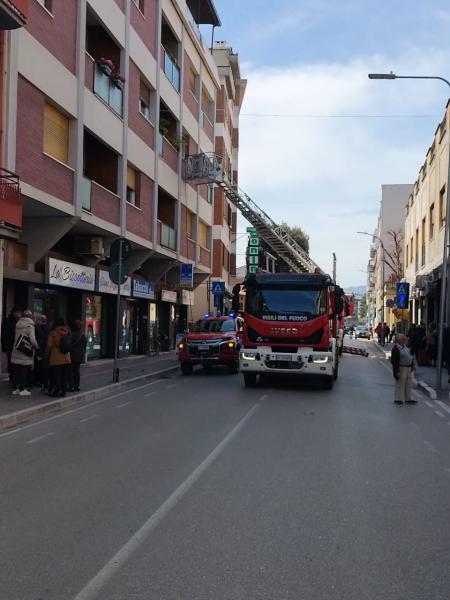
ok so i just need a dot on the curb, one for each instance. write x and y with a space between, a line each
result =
426 389
387 353
22 416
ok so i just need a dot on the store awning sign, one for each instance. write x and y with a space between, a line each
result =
67 274
143 289
187 297
106 286
168 296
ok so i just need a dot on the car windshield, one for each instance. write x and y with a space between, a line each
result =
213 326
285 302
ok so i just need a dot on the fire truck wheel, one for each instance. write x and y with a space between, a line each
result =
234 368
328 381
186 368
249 379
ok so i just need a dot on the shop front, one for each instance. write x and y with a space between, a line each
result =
145 314
166 319
108 291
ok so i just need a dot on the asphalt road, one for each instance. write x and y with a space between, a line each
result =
194 488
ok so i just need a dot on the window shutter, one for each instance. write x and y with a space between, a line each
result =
131 178
56 134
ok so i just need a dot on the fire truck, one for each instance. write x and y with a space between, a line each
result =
290 325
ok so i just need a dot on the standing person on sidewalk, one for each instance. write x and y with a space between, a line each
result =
386 332
392 334
42 331
8 336
378 332
58 353
402 366
22 356
77 354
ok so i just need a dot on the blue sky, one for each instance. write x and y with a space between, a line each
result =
311 58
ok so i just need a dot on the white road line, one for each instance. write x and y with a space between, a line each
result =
438 412
99 581
172 385
430 446
428 403
263 397
83 407
88 418
443 405
149 394
41 437
124 404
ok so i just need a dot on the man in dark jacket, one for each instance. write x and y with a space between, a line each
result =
402 365
77 355
8 335
42 330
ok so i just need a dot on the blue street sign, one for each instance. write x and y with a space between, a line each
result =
402 294
218 288
187 275
218 300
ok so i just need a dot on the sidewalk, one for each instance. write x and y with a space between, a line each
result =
96 380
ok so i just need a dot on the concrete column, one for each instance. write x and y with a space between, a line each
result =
12 76
123 161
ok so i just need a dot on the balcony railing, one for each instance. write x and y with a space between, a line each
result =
160 144
10 199
171 69
168 236
107 90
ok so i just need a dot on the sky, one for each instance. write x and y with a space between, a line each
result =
336 136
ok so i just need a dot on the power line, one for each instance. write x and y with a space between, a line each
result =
331 116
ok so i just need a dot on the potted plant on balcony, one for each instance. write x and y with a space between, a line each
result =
106 65
118 80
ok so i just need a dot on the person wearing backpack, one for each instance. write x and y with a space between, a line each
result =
22 356
77 354
58 353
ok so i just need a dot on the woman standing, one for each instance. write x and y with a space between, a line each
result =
402 366
22 356
58 353
77 354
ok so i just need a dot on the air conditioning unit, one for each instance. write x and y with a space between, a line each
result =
90 246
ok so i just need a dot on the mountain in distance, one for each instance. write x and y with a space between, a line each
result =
357 289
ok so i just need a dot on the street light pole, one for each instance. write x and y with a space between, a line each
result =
444 273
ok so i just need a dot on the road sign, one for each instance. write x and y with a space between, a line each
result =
218 299
390 303
218 288
115 250
187 275
114 273
402 294
252 269
251 230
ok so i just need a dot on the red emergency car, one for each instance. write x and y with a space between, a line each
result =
211 341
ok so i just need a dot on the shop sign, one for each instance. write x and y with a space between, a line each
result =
143 289
168 296
67 274
108 287
187 297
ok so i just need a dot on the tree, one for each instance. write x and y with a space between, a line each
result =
299 236
393 254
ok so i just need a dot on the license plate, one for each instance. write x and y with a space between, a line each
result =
203 348
282 357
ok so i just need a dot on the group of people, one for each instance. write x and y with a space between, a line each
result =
385 333
43 355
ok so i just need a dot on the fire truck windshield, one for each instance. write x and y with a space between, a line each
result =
285 303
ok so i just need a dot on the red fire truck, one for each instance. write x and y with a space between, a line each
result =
290 322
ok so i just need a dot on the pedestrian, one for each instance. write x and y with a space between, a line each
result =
392 333
42 331
431 344
22 356
8 336
378 332
402 366
371 332
77 355
58 354
386 332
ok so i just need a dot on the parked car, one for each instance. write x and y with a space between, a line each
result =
211 341
361 331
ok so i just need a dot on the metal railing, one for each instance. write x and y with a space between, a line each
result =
10 198
168 237
86 194
171 69
107 90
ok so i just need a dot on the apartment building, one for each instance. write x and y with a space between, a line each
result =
105 100
424 229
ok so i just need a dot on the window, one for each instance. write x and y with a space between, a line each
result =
203 235
411 250
226 259
229 216
210 197
407 254
56 134
442 207
193 79
47 4
144 100
140 4
422 262
431 232
132 196
190 225
206 105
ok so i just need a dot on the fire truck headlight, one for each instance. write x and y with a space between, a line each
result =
230 344
320 359
246 356
181 345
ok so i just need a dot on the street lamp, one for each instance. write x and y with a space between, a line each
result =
444 276
382 279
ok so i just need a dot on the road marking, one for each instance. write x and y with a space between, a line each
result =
443 405
74 410
438 412
172 385
88 418
149 394
41 437
99 581
430 446
428 403
124 404
263 397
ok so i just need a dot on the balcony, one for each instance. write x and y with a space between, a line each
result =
10 200
13 14
191 249
170 68
108 88
167 236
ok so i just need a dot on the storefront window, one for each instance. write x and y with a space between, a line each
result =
93 322
48 302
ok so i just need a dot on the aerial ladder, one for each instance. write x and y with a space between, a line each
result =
207 168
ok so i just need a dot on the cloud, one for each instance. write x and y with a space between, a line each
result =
320 173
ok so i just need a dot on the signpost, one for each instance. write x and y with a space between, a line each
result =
402 294
218 290
118 273
187 275
252 250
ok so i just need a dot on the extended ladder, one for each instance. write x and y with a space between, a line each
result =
208 168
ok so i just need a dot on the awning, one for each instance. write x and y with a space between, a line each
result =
204 12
